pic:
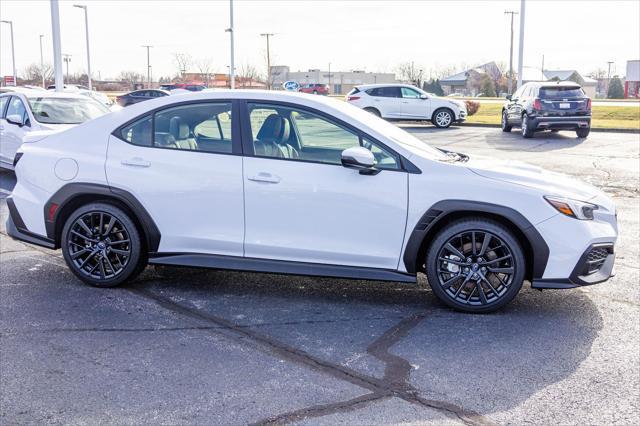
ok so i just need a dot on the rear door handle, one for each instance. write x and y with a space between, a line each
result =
136 162
264 177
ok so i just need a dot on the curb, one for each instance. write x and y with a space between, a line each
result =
497 126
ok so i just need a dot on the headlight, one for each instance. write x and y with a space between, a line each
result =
572 208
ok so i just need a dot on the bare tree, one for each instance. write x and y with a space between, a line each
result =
131 77
33 73
409 72
205 66
248 74
183 61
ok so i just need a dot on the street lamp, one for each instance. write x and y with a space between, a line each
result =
86 28
66 58
13 55
42 63
232 69
267 35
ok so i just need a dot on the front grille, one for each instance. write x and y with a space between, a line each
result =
596 258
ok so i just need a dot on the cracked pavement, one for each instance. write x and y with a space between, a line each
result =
185 346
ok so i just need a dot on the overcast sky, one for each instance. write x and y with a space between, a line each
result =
370 35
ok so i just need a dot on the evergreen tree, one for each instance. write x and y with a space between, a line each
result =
615 89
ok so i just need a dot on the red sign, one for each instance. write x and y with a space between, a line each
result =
9 81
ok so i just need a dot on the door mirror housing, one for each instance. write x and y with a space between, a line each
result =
508 97
423 96
15 119
358 158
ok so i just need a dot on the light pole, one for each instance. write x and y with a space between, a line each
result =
329 77
521 46
55 33
66 59
148 66
13 55
267 35
42 63
510 81
86 28
232 69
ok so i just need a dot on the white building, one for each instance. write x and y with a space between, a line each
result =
340 82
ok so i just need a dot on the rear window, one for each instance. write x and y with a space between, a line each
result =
385 92
561 92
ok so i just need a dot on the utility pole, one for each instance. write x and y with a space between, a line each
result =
329 77
267 35
66 58
57 55
148 66
86 28
232 69
608 75
13 53
521 46
510 80
542 69
42 63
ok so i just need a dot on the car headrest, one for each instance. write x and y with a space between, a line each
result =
178 129
274 129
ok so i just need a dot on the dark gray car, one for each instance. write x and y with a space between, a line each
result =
552 106
140 96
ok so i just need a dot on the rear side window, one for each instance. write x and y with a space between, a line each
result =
385 92
353 91
3 103
561 92
138 132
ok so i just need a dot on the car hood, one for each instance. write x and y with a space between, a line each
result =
44 131
519 173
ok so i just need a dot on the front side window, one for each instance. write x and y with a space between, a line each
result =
410 93
16 107
3 103
297 134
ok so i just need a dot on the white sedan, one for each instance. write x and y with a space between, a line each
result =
289 183
406 102
36 113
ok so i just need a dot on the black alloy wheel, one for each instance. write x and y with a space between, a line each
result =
475 266
102 245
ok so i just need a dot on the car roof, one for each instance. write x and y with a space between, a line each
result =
46 94
373 86
555 84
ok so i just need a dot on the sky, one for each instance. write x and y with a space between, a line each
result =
364 35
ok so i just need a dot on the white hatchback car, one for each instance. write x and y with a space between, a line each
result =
406 102
296 184
36 114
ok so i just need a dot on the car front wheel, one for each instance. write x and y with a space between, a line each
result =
475 265
442 118
101 245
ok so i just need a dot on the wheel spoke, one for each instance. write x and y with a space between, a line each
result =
102 273
483 297
84 237
450 281
500 259
464 283
101 223
118 242
454 250
490 286
485 244
453 261
473 242
80 253
112 222
84 262
84 227
501 270
110 265
122 252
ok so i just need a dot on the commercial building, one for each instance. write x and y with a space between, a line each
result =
588 84
632 83
340 82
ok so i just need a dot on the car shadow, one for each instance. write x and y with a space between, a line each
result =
485 363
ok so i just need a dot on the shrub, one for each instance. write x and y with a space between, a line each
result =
615 89
472 107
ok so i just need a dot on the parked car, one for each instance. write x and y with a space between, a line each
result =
36 114
192 87
140 96
406 102
314 88
541 106
69 86
310 186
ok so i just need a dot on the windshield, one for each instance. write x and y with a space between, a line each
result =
51 110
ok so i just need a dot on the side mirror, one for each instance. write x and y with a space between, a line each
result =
15 119
358 158
423 96
508 97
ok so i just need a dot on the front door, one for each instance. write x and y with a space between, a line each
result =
413 106
181 163
302 205
12 134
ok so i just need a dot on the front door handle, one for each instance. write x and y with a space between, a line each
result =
264 177
136 162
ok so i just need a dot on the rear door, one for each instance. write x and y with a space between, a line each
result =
183 164
387 100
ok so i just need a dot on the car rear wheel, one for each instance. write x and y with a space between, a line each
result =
442 118
505 122
102 246
583 132
475 265
373 111
527 128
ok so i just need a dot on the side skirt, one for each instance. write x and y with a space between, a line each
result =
213 261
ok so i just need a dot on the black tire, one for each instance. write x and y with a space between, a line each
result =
373 111
102 245
583 132
506 127
494 273
315 92
442 118
527 129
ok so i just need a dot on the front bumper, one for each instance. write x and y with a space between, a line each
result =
595 266
566 122
462 116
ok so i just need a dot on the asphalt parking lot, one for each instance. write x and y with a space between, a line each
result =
183 346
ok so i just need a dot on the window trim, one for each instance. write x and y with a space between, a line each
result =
247 135
236 141
6 105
